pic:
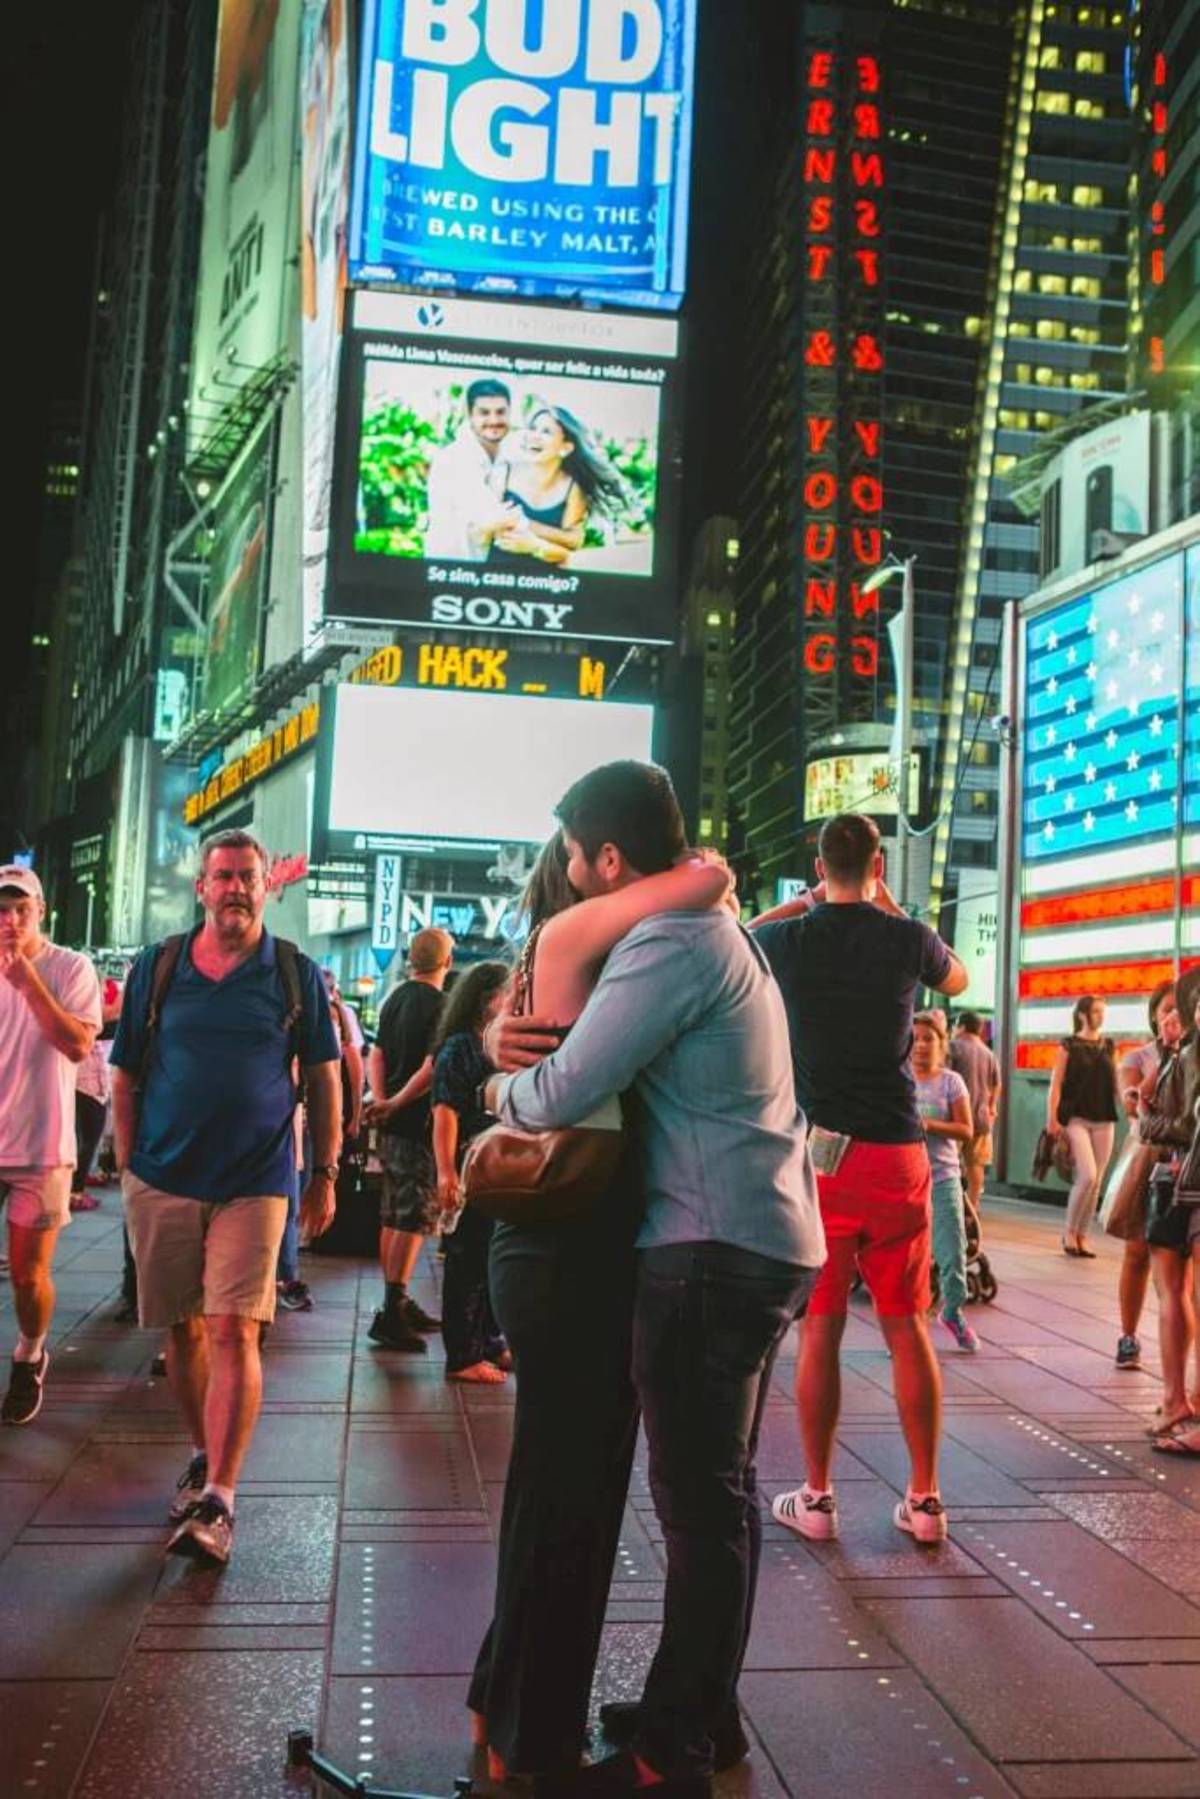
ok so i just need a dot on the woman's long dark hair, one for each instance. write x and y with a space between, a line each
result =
587 465
1082 1014
547 891
466 1009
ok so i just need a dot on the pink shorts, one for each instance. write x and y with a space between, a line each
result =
876 1213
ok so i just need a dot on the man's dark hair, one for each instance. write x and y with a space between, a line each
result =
487 389
971 1023
847 846
631 805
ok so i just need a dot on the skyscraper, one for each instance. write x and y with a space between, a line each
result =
1055 339
1165 270
867 338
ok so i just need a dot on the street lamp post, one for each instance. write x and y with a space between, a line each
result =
900 633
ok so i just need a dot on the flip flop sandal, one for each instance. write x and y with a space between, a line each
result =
1162 1429
1170 1444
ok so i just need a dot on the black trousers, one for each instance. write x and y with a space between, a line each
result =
563 1296
708 1323
89 1128
469 1328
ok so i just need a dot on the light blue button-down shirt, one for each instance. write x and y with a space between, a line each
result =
688 1014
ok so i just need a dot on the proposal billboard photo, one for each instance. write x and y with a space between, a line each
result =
474 467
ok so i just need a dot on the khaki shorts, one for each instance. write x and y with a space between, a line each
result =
977 1153
38 1198
199 1258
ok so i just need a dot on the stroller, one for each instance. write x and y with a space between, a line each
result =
981 1281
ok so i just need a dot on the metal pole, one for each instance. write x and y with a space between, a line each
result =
904 709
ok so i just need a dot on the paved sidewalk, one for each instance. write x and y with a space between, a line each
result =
1051 1649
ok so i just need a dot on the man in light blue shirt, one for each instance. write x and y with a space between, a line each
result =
687 1015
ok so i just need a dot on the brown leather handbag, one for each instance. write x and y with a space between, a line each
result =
537 1177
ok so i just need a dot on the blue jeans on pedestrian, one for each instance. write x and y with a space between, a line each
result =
287 1268
950 1242
708 1322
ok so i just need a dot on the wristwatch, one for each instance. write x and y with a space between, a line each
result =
328 1169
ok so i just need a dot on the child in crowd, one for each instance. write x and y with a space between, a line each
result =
945 1107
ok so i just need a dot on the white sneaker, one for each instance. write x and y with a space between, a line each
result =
925 1519
808 1513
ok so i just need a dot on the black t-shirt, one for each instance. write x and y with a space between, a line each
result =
849 976
407 1025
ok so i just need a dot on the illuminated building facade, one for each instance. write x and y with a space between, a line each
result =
870 292
1165 271
1056 332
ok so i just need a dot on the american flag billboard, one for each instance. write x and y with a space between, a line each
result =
1109 899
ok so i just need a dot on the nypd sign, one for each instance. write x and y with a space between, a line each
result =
525 147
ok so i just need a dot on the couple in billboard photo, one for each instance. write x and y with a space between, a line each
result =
472 471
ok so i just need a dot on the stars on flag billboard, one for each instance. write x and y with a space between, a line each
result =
1110 800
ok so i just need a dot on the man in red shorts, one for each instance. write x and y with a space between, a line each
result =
850 964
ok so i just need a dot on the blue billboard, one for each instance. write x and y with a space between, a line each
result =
525 147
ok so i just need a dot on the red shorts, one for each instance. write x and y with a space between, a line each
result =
876 1212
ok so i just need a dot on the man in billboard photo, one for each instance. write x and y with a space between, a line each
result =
204 1101
467 480
49 1017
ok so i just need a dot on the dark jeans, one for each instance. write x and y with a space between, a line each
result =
287 1262
89 1128
469 1328
708 1322
563 1296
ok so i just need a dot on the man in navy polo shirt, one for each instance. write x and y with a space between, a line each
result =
203 1110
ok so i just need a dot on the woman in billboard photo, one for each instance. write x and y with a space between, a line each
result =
559 477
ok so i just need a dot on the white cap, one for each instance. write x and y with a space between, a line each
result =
14 874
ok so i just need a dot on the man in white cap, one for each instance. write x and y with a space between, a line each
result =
49 1017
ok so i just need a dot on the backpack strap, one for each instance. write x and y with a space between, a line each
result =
166 961
288 957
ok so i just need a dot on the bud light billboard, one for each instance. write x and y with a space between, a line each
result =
532 147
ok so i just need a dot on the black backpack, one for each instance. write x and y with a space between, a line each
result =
166 961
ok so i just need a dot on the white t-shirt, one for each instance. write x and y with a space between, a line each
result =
37 1082
465 486
91 1075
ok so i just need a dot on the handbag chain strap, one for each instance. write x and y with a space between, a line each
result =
523 978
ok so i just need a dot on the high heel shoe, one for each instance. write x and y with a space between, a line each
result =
1070 1249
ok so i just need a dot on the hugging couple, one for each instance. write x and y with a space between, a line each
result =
670 1296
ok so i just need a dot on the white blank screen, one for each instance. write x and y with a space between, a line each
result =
422 763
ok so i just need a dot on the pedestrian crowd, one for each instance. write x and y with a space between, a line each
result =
736 1124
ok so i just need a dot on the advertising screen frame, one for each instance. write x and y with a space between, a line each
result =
331 840
251 226
536 351
455 123
250 485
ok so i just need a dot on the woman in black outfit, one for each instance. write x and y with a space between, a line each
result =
475 1350
1084 1103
